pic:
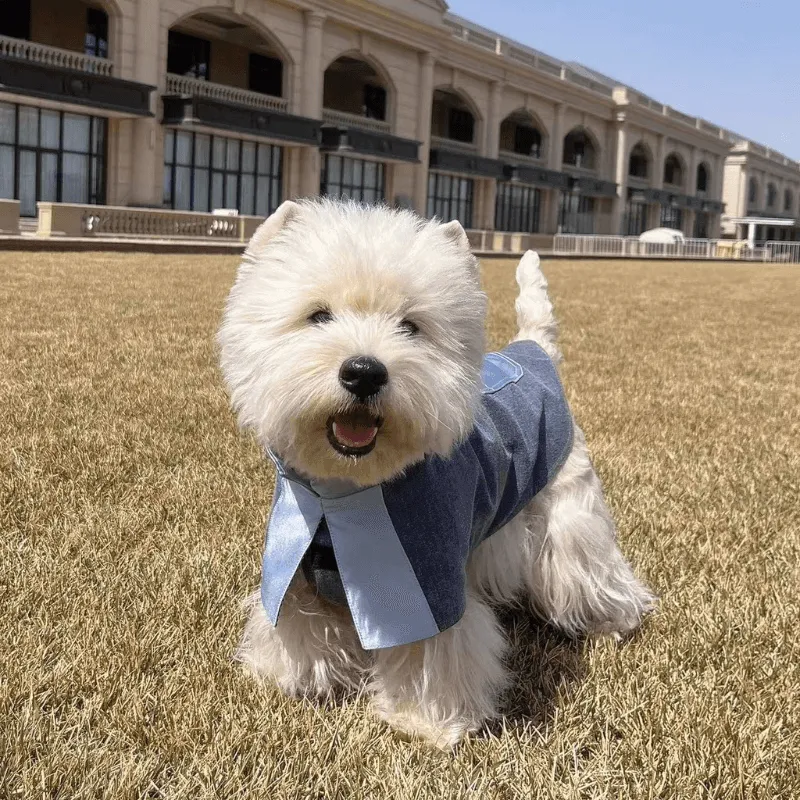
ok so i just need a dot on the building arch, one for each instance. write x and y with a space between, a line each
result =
513 141
455 126
675 170
359 70
582 149
640 161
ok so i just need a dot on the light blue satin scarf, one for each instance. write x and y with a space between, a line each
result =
385 598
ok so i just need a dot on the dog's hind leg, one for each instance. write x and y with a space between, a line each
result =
312 651
578 578
442 688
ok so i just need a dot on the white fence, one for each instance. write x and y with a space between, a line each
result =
631 247
784 252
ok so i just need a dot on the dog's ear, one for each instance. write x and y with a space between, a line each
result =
456 234
268 229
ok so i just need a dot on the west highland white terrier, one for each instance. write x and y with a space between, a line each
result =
421 483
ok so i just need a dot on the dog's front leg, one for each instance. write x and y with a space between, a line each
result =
444 687
312 650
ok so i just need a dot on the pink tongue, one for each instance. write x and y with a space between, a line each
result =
358 436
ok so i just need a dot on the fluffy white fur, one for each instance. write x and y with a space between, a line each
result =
373 268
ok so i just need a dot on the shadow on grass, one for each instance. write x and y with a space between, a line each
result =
544 664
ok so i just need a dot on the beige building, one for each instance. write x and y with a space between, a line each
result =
207 104
762 184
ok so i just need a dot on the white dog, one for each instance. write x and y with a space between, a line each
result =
353 346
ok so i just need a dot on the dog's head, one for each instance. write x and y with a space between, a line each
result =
353 338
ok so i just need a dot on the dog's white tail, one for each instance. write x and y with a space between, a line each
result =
534 310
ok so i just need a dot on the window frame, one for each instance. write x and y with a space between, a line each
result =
273 174
352 190
507 212
449 205
96 154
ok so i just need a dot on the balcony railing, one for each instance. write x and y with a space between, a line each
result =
510 155
355 121
453 144
179 84
54 56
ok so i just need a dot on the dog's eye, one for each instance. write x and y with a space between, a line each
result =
409 327
321 317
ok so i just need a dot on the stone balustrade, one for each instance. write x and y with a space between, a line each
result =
347 120
9 217
508 243
54 56
179 84
78 221
453 144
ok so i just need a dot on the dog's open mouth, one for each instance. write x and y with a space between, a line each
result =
354 433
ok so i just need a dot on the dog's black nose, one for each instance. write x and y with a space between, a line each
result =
363 376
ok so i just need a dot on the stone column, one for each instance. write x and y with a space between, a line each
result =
146 143
658 179
491 146
312 98
620 175
555 159
424 111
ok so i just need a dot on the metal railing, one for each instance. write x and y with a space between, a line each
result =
355 120
179 84
632 247
783 252
54 56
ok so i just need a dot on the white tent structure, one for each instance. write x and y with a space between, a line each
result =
753 222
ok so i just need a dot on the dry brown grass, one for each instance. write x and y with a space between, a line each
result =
131 513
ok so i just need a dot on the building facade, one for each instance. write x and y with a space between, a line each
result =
208 104
762 184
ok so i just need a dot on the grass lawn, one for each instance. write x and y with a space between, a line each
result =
131 523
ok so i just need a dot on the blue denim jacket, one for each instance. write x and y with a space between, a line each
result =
397 553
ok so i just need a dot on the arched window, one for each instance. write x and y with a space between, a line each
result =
752 191
520 134
702 179
772 195
355 87
580 150
452 118
201 47
673 170
639 162
788 200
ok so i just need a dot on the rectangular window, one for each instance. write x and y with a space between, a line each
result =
701 225
353 179
517 209
189 56
671 217
450 197
265 75
635 222
203 173
51 156
96 40
576 213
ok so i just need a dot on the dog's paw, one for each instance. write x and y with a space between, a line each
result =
412 726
